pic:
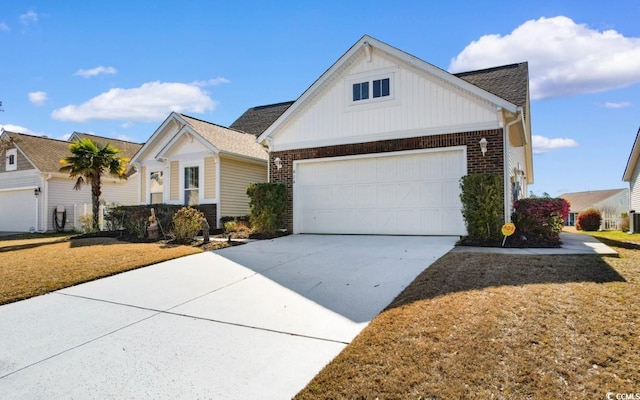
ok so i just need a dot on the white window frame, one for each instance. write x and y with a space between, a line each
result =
370 76
183 166
164 177
9 154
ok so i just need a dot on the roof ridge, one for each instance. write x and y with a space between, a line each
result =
214 124
37 136
496 68
105 137
273 105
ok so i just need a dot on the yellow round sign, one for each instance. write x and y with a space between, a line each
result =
508 229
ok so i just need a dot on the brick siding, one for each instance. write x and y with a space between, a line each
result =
492 162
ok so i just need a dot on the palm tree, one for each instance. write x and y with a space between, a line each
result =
88 163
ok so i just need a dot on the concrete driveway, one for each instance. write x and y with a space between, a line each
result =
252 321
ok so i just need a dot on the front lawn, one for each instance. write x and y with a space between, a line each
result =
39 264
499 326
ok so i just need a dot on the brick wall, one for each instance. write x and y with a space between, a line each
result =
492 162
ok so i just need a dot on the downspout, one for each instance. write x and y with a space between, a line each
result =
218 191
45 201
505 155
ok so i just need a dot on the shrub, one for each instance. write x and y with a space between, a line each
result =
625 223
267 206
541 218
482 206
589 220
187 222
86 223
241 218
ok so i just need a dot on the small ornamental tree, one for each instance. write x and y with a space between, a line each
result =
267 206
482 204
589 220
541 218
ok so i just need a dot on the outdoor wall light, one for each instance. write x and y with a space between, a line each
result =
36 191
278 162
483 146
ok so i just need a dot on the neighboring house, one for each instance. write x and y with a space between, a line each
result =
194 162
379 142
611 204
631 175
32 189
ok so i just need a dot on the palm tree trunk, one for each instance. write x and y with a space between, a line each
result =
95 201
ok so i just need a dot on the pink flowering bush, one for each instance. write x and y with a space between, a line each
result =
541 219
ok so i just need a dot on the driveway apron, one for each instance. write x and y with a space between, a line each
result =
251 321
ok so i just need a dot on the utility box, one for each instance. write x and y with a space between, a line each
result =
634 219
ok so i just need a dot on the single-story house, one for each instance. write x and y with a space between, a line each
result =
35 195
193 162
611 203
632 175
379 142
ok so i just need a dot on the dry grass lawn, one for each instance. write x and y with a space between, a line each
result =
30 267
492 326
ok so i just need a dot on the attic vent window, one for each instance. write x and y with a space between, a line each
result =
360 91
12 155
372 89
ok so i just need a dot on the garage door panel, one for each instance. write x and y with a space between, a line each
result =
17 210
387 194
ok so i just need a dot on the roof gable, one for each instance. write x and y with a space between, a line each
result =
127 149
365 45
215 138
632 162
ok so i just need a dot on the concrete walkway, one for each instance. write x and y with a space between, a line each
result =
572 244
252 321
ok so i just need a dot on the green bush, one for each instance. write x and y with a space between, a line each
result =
540 218
267 206
187 222
482 206
589 220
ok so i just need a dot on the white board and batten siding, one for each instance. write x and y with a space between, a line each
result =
634 187
419 104
235 176
404 193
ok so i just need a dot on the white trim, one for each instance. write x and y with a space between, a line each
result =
218 189
375 137
172 118
15 189
296 210
185 130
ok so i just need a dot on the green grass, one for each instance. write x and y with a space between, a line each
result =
615 235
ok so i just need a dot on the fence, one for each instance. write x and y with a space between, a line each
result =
87 209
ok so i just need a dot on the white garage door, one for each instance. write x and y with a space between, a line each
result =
404 193
17 210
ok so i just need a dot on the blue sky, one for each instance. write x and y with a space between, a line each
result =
118 68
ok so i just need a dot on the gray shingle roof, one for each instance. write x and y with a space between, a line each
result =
581 201
227 140
509 82
46 153
257 119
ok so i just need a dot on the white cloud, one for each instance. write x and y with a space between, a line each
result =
4 27
88 73
18 129
210 82
28 17
37 98
150 102
621 104
543 144
564 58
